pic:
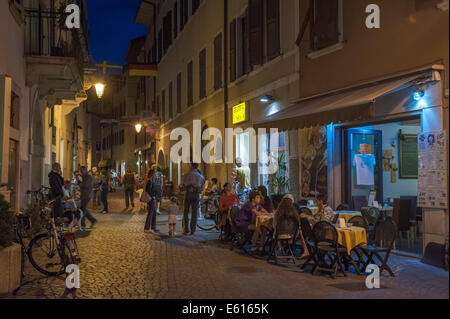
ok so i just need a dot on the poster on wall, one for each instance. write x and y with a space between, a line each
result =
433 176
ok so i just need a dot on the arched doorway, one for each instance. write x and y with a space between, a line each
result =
161 160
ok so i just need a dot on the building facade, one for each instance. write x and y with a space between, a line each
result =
42 72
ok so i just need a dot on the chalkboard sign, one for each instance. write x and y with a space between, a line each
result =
408 156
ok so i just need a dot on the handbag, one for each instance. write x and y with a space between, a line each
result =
145 197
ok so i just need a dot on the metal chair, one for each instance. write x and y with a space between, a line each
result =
385 236
343 206
239 238
359 221
306 210
326 241
358 202
285 235
308 236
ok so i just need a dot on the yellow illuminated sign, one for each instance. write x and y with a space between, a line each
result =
239 113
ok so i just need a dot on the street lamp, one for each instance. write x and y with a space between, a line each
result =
100 89
138 127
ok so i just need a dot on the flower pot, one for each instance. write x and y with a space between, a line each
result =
10 268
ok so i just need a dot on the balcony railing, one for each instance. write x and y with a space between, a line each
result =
46 34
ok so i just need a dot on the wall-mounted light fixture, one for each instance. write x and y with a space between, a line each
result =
266 99
419 94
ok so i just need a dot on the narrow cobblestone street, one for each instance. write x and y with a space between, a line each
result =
120 261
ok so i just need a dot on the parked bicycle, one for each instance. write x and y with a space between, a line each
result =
53 250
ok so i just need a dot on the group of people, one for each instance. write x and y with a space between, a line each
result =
63 195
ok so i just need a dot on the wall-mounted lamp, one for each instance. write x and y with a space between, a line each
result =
266 99
418 94
99 89
138 128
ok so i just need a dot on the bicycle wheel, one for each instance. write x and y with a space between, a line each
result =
206 224
44 255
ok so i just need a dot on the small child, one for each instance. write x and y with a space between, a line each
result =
173 211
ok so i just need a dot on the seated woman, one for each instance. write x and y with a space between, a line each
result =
267 201
285 211
227 200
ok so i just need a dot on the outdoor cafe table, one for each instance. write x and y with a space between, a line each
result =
263 220
347 214
350 237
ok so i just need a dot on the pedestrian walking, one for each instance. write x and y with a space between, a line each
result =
97 181
104 188
193 183
86 183
150 223
173 211
129 183
157 183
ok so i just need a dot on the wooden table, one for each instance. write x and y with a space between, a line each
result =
351 237
262 220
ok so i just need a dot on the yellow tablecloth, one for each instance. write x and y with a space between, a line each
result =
351 237
347 214
263 220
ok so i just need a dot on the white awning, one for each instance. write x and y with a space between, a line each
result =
345 105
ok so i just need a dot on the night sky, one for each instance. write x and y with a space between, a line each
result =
111 27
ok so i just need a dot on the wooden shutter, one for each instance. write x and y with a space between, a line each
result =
218 62
246 43
233 51
160 46
273 28
175 20
195 5
186 11
255 31
202 73
324 24
190 91
170 100
167 31
181 15
179 93
163 106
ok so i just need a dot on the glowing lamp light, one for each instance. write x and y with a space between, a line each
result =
418 95
138 128
99 89
266 99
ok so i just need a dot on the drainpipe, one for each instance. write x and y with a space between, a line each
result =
225 72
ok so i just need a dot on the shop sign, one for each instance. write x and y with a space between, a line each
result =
240 113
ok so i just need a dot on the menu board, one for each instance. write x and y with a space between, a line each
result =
433 173
408 157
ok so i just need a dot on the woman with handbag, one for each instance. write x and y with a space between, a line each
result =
150 223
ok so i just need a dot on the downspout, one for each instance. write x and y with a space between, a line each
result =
225 73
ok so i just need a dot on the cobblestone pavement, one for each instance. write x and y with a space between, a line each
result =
120 261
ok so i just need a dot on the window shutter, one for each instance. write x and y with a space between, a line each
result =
190 92
324 24
233 51
255 31
246 43
202 73
195 5
186 11
170 100
218 62
160 46
273 29
179 93
163 105
167 31
181 15
175 20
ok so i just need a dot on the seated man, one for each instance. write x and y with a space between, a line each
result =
324 213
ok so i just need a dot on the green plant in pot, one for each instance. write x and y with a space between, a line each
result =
279 183
6 224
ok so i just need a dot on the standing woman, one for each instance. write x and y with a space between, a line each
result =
157 183
150 223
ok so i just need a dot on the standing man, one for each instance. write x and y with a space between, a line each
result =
56 189
193 183
242 176
97 181
129 184
86 188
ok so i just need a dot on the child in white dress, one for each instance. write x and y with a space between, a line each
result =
173 210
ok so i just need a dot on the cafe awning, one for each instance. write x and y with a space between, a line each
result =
346 105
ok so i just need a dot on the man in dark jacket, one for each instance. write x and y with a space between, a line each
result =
129 184
86 192
56 189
